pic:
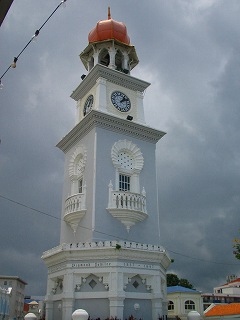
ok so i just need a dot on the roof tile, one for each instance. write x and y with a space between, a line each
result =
224 309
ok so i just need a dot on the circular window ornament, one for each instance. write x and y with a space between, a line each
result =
77 162
125 160
127 155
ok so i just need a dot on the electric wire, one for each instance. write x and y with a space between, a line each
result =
13 65
111 235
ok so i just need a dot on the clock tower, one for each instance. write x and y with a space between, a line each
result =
109 261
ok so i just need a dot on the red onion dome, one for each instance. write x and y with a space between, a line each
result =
109 29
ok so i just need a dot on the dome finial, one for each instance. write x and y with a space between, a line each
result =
109 13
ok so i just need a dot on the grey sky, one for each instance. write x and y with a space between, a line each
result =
189 51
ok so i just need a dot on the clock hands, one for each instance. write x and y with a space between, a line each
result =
120 101
123 99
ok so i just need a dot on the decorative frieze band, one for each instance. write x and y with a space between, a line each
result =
104 244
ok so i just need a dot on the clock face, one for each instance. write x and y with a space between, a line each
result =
120 101
88 104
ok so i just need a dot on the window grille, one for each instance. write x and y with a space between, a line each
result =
170 305
80 186
124 182
189 305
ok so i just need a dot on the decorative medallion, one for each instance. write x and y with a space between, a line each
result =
77 162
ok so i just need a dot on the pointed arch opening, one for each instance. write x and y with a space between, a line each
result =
104 57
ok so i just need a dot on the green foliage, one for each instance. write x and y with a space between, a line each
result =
236 246
185 283
173 280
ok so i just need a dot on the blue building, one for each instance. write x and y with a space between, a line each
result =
182 300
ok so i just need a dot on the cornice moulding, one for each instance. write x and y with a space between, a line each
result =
104 254
72 253
103 120
113 76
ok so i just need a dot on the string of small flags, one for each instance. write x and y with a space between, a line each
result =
15 59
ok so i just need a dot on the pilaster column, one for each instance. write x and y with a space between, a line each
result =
74 183
68 289
135 183
101 95
112 53
49 310
125 61
90 63
49 299
116 295
157 297
157 311
116 305
68 294
95 56
140 116
165 308
67 308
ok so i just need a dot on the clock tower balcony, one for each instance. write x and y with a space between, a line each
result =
75 209
128 207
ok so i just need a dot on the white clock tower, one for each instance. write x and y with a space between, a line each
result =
109 261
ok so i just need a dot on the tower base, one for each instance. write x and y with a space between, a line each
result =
107 279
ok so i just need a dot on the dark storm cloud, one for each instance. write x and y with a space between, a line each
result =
200 197
189 52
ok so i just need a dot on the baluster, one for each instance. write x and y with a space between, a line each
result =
121 199
138 206
126 201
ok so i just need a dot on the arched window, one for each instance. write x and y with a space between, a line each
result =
128 161
104 58
170 305
76 169
189 305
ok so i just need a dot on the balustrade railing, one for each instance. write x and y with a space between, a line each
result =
104 245
127 200
128 207
75 203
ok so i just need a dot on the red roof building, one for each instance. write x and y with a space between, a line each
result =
228 311
226 293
